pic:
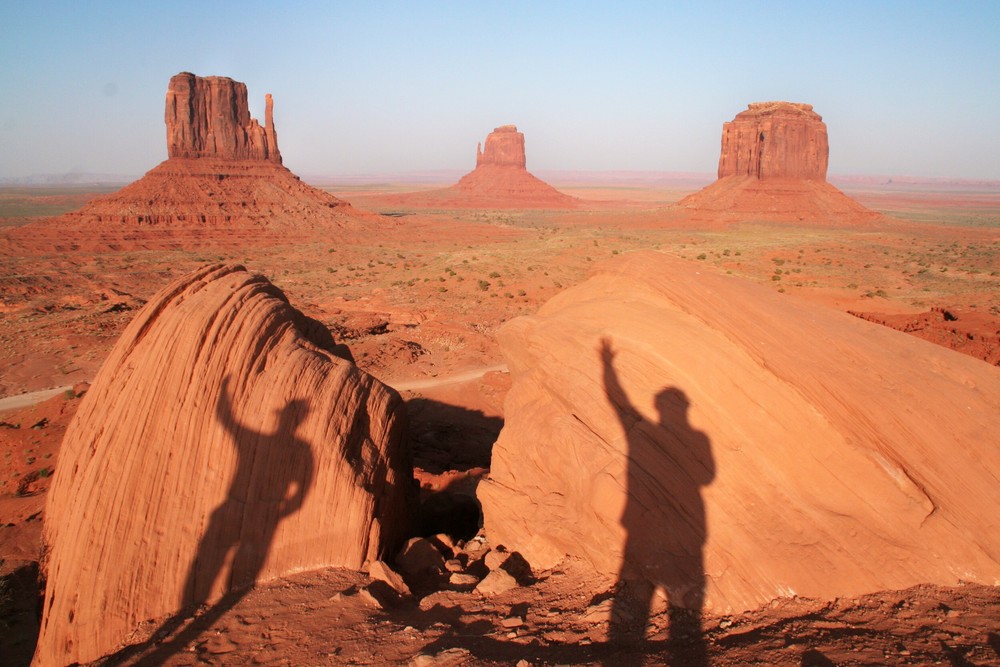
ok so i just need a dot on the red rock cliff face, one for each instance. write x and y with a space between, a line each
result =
775 140
504 148
225 441
209 117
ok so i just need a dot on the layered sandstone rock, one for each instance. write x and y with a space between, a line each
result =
772 168
775 140
226 441
730 443
222 183
209 117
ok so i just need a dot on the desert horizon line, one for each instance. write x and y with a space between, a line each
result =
431 175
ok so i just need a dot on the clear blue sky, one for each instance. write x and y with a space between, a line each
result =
906 88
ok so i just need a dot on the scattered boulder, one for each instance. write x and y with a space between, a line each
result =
497 582
734 445
226 441
422 565
380 571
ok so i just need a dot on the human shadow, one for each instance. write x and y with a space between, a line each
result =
274 473
664 520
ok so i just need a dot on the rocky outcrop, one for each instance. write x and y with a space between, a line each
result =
772 168
209 117
226 441
504 148
775 140
734 445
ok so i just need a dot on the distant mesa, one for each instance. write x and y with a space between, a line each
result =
226 441
223 180
772 168
500 180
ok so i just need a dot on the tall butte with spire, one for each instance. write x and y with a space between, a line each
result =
208 117
223 180
772 168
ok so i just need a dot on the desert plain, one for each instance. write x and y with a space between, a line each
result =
417 286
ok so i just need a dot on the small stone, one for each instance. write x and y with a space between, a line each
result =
512 622
496 582
382 572
494 559
462 582
453 565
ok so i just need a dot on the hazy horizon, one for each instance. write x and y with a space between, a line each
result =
906 89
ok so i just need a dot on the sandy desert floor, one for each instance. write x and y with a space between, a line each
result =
418 304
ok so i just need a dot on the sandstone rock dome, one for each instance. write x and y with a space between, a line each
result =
732 444
225 441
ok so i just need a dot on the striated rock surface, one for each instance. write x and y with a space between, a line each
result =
504 148
775 140
734 445
226 441
209 117
223 183
772 168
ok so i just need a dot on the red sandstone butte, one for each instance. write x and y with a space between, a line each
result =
734 445
772 168
501 178
226 441
223 182
209 117
504 148
775 140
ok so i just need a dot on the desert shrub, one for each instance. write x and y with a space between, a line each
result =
494 274
702 256
484 285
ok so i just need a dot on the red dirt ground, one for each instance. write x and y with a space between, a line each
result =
419 299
